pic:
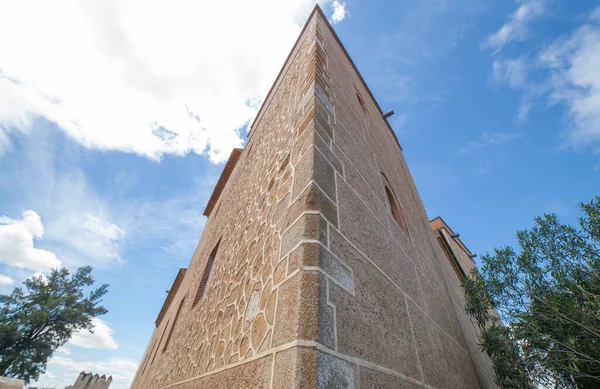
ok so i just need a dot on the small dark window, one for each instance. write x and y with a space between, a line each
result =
205 275
173 325
159 342
360 100
397 212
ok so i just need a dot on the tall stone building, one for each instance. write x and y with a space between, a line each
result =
317 266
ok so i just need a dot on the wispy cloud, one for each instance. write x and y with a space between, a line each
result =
565 72
573 65
482 167
488 140
174 81
512 72
82 225
516 28
79 225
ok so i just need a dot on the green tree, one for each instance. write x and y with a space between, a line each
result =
548 295
35 322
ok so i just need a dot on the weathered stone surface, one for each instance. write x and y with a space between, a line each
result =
295 368
376 315
312 199
302 268
254 374
371 379
297 309
335 373
307 227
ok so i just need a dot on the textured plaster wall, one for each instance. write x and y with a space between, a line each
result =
314 285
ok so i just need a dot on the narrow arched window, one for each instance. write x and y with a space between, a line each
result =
205 275
360 100
395 207
173 325
159 342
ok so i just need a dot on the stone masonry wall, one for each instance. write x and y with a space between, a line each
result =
230 334
399 328
314 283
471 332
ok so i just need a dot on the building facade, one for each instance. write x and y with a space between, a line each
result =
317 266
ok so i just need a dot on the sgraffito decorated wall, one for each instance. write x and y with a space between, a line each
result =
317 267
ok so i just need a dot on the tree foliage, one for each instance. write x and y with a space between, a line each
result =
36 321
548 295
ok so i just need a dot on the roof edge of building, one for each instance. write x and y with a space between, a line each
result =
452 234
223 178
174 287
317 10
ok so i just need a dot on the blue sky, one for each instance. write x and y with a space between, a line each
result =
115 120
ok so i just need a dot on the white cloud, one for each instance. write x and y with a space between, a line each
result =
84 233
339 11
84 226
515 74
487 140
573 63
565 72
173 225
6 280
63 371
99 338
516 27
17 246
152 78
79 224
31 221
